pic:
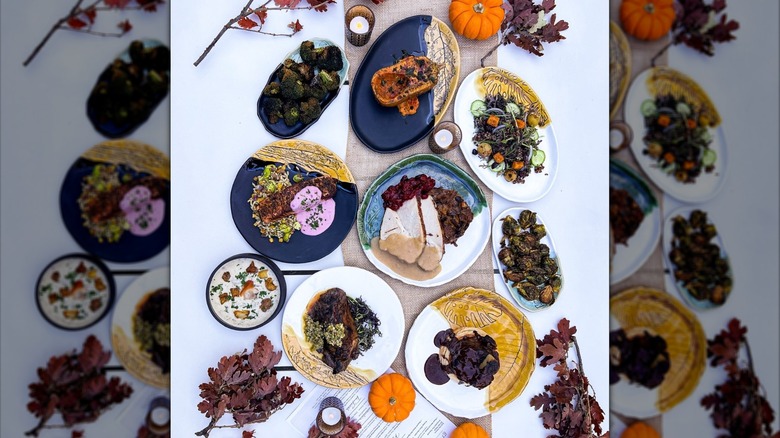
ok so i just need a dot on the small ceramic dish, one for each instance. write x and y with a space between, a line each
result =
75 291
246 291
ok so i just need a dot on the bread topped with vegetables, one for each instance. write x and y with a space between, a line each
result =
398 85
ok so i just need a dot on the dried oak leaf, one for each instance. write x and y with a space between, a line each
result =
248 434
119 4
287 3
92 356
246 23
263 355
262 14
125 26
296 26
320 5
76 23
552 352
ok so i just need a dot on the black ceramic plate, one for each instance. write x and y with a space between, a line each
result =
384 129
308 160
280 129
75 291
134 162
116 111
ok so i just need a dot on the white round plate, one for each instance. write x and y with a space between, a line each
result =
536 185
356 283
138 363
707 185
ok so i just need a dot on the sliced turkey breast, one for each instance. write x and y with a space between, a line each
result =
434 241
402 233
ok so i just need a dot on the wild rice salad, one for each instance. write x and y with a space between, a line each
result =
506 138
273 179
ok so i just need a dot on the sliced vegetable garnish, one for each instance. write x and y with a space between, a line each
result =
538 157
709 157
478 107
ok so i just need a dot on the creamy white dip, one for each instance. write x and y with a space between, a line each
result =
244 293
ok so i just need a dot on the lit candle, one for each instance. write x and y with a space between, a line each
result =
359 25
331 416
443 138
615 138
160 415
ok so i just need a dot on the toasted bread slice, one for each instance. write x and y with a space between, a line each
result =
407 78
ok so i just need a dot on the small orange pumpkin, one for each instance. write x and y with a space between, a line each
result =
392 397
469 430
647 19
640 430
476 19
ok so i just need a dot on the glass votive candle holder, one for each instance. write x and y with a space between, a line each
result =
358 24
445 137
158 420
331 418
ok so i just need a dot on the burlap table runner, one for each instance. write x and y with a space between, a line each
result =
651 273
366 165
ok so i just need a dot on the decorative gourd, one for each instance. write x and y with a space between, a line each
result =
392 397
469 430
640 430
476 19
647 19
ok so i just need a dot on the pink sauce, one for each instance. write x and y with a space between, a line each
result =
313 213
143 213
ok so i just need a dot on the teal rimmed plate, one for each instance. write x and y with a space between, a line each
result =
670 242
457 259
526 304
629 257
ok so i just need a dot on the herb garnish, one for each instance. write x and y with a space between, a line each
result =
366 322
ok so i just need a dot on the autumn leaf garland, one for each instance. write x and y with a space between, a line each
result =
567 405
527 25
737 405
253 19
81 18
76 386
245 385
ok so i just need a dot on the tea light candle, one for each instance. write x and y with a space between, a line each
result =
158 420
620 135
359 25
443 138
331 416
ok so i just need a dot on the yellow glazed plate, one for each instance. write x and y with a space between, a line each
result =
497 317
619 67
126 347
638 309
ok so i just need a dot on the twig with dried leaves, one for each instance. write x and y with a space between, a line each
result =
567 404
245 385
252 19
81 18
700 26
76 386
526 27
